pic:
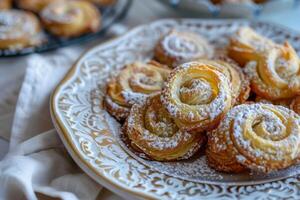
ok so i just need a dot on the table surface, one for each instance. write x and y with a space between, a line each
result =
144 12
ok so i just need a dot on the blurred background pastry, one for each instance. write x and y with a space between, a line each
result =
5 4
237 1
103 2
71 18
19 29
35 5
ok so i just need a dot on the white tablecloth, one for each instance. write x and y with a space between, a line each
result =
12 70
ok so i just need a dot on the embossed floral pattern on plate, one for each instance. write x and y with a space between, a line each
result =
86 129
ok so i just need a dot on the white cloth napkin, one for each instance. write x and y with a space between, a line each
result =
36 161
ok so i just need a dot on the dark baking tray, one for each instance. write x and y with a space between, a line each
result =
110 15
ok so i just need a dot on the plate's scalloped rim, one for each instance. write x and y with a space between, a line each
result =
65 137
112 184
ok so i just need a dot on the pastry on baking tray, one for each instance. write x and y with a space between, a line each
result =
5 4
103 2
178 47
246 44
19 29
35 5
275 74
133 83
197 96
259 137
71 18
152 130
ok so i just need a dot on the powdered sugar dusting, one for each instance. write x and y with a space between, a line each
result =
185 46
133 97
61 12
200 109
14 24
265 126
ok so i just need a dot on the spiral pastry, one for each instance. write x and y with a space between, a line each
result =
197 96
133 83
18 29
275 74
281 102
240 85
152 130
259 137
71 18
246 44
103 2
295 105
237 1
179 47
35 5
5 4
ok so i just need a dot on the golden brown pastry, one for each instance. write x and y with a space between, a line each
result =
19 29
240 84
246 44
103 2
281 102
151 129
275 74
237 1
197 96
259 137
35 5
5 4
179 47
295 105
133 83
71 18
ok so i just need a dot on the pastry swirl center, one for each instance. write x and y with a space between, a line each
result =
269 127
196 91
146 81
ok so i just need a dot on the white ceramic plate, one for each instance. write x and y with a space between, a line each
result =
88 131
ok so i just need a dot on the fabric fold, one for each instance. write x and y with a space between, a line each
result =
37 161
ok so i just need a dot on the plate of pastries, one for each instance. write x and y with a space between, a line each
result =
28 26
179 105
228 8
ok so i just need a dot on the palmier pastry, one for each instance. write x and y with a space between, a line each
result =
179 47
197 96
132 85
295 105
103 2
71 18
18 29
5 4
35 5
280 102
259 137
237 1
275 74
246 43
151 130
239 82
